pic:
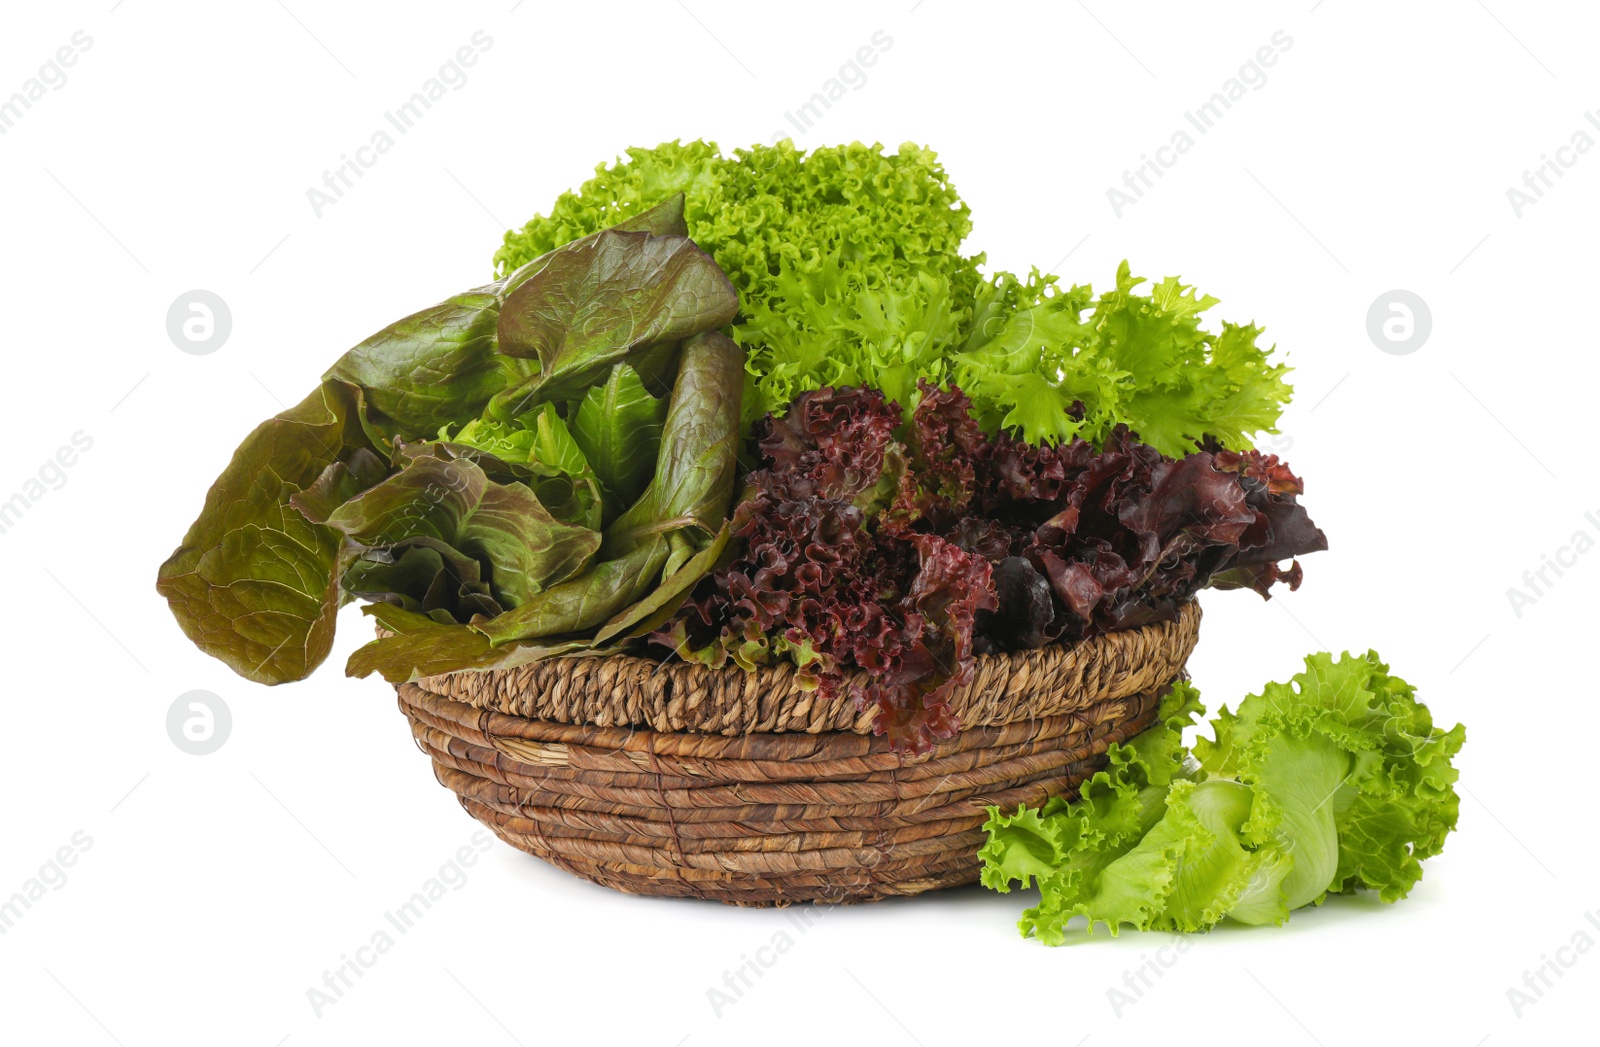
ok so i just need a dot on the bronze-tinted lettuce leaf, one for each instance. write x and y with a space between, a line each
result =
417 646
440 365
254 583
432 368
599 301
664 219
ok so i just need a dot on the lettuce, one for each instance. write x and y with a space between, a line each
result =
618 428
850 272
348 493
540 446
651 556
903 550
452 506
254 583
1334 782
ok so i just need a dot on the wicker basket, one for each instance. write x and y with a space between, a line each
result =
672 779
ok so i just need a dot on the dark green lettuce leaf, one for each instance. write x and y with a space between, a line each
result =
598 301
657 608
618 427
566 483
431 579
422 645
450 503
431 368
585 602
440 365
693 484
254 583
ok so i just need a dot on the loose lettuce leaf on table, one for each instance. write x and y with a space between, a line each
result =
1332 782
1395 799
254 583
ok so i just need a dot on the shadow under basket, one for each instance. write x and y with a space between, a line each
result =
673 779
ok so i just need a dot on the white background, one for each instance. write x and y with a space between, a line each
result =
1377 155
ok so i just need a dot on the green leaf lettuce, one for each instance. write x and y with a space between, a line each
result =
1333 782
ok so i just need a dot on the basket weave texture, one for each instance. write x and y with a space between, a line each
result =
673 779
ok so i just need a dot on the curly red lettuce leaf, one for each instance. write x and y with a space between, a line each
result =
903 548
934 657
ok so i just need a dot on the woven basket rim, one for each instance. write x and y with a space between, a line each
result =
629 691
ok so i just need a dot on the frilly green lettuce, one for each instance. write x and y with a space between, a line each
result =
850 271
1333 782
